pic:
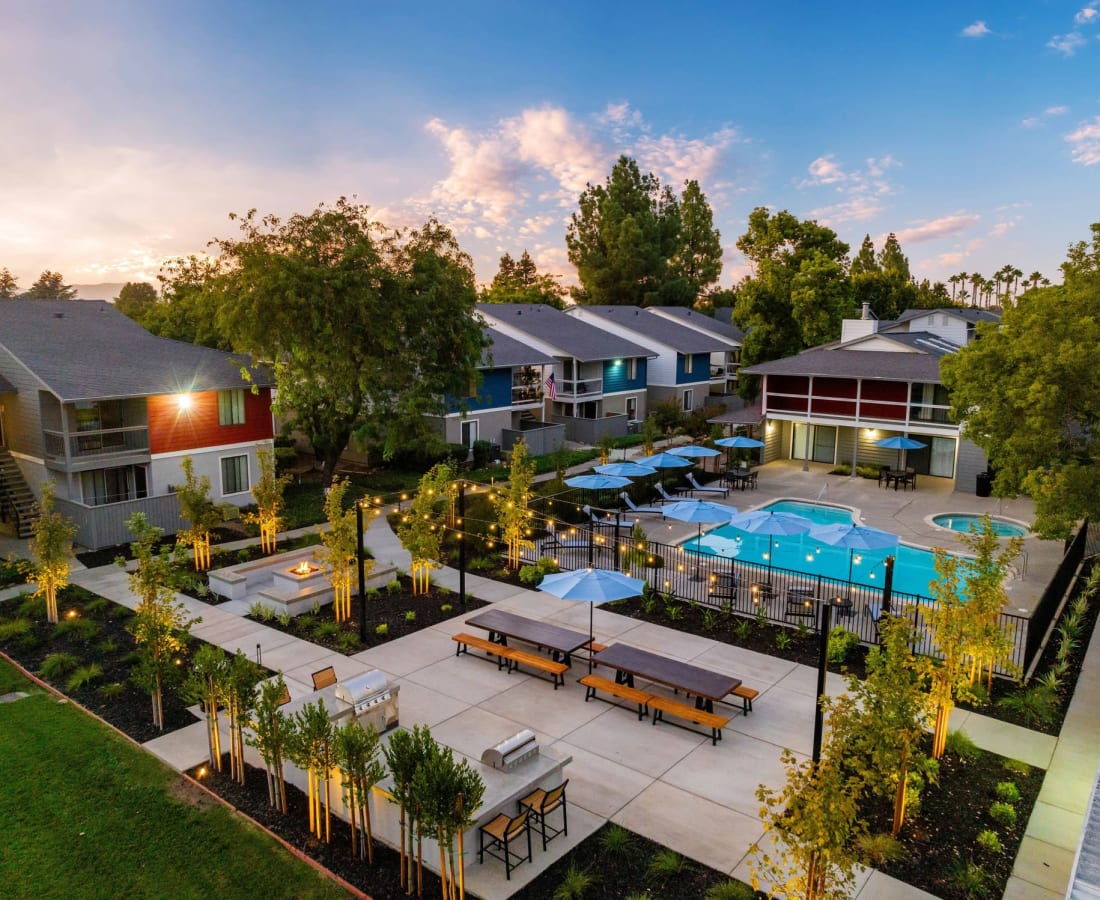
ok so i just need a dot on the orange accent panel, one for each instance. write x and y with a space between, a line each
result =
172 429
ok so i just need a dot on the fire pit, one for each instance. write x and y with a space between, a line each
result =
301 575
304 569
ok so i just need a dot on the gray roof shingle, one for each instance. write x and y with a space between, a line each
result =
657 328
507 352
88 350
571 336
885 364
708 323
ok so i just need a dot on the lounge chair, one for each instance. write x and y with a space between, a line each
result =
665 495
570 544
705 489
633 507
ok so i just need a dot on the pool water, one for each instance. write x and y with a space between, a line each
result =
964 523
914 569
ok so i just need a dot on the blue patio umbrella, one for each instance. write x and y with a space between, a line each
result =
699 512
900 442
854 537
694 451
592 586
739 442
771 523
597 482
664 461
626 469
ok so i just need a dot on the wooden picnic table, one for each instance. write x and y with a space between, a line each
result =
503 625
703 684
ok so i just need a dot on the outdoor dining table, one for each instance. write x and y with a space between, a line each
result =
741 478
901 476
703 684
502 625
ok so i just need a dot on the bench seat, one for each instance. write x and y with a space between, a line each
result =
466 641
556 670
661 705
593 683
746 695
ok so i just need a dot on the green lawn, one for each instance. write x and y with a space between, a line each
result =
85 814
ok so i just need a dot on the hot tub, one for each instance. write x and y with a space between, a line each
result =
965 522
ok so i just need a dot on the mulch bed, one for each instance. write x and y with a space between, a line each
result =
387 618
111 695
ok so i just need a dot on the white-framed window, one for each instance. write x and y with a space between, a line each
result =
632 368
632 408
235 474
688 397
688 360
231 407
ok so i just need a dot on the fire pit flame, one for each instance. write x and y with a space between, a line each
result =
303 568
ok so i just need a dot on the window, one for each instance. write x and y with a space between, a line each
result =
632 368
687 400
234 474
632 408
688 360
231 407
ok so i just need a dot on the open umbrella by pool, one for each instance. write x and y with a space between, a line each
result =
700 512
738 443
626 469
597 483
854 537
900 442
694 451
664 461
592 586
771 523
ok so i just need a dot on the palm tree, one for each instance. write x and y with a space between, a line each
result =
954 280
1016 276
976 280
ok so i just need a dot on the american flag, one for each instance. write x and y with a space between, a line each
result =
551 386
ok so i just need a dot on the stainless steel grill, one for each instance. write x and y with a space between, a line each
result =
512 751
373 699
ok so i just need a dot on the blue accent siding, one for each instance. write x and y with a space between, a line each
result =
495 391
700 368
615 376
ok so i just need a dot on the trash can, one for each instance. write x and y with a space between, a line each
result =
985 484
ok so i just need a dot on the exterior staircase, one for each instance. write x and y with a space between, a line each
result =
17 502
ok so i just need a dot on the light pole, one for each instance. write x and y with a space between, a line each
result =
462 543
362 575
822 664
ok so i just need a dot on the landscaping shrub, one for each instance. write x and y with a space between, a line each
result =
482 450
1008 792
574 884
989 842
958 744
84 676
1002 813
533 575
57 664
615 840
841 643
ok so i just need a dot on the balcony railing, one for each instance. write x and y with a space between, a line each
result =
524 395
938 414
581 387
108 442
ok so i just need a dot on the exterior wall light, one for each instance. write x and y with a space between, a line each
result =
184 402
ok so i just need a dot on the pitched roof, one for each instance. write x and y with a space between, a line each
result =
657 328
505 351
562 332
88 350
884 364
698 320
967 314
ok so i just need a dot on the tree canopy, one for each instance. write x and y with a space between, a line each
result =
519 281
799 291
9 286
50 286
367 329
1027 394
634 243
136 299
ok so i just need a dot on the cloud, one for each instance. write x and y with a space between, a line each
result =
620 114
551 141
1031 122
858 209
951 259
1085 143
824 170
1088 15
876 168
1001 229
1055 110
676 159
1049 112
976 30
1066 44
937 229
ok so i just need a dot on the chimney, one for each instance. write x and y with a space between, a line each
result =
866 313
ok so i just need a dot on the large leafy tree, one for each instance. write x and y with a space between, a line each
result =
367 329
635 243
136 299
187 309
786 254
51 286
519 281
9 286
1027 394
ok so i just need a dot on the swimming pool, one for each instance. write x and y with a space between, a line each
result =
965 522
913 570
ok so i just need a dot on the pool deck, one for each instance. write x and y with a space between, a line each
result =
907 514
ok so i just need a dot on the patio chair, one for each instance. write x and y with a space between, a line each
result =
540 804
571 544
801 603
883 475
706 489
725 587
633 507
502 832
665 495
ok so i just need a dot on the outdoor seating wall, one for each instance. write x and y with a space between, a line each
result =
1047 607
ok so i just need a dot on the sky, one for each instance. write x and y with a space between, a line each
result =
133 129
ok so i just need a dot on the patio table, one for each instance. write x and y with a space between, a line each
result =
703 684
502 625
741 478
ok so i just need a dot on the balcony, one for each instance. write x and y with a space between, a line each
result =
87 446
938 414
588 387
524 395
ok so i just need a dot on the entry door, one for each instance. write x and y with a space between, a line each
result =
822 442
469 432
942 461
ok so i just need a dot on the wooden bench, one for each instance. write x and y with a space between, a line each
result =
284 697
746 695
556 670
661 705
324 677
593 683
466 641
